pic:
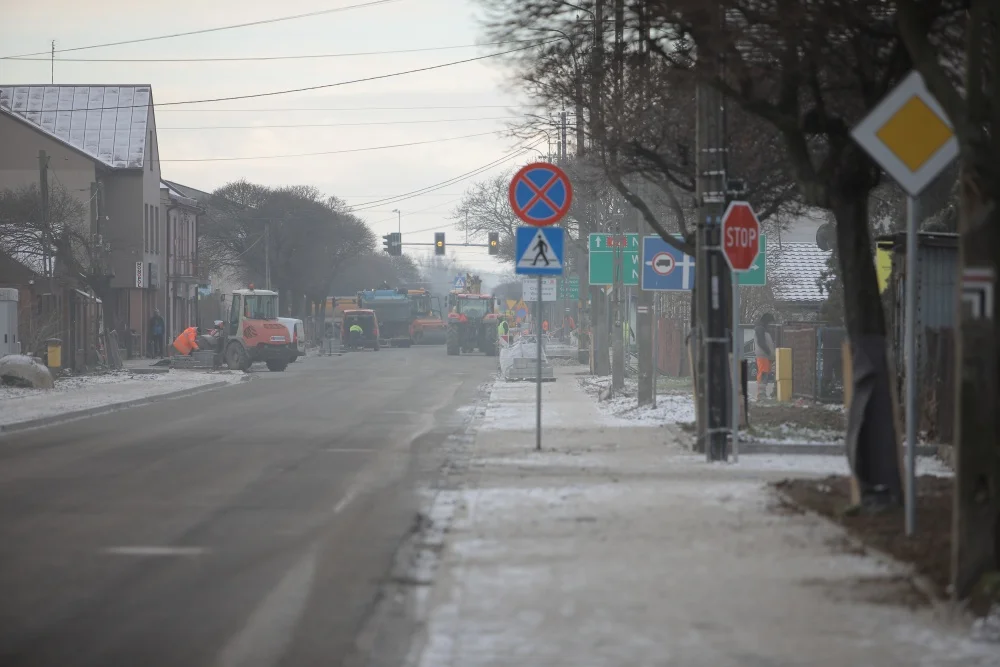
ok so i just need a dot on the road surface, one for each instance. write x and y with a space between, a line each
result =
250 526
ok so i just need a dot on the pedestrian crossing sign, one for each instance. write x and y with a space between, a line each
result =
540 251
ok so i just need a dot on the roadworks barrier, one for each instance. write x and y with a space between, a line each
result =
518 361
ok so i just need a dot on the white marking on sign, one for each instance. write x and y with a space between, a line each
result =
663 263
539 254
740 237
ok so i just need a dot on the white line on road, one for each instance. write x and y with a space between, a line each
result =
155 551
344 502
264 638
356 450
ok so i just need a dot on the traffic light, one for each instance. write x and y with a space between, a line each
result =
494 243
393 244
438 243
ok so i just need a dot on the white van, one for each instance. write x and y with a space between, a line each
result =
297 336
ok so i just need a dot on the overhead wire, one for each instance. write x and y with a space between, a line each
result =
304 56
273 93
203 31
405 108
451 181
337 152
367 123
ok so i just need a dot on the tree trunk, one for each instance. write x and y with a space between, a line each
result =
644 341
599 332
872 439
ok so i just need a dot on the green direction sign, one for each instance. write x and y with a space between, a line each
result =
757 275
603 248
569 288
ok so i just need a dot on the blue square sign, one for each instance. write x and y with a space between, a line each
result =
539 251
664 267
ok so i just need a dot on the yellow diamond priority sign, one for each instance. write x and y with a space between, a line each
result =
909 135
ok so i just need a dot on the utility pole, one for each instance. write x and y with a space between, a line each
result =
644 323
53 62
267 254
711 274
598 299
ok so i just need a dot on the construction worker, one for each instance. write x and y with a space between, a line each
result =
186 342
354 333
764 348
545 326
502 330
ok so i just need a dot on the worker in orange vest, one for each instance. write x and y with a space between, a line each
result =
186 343
545 326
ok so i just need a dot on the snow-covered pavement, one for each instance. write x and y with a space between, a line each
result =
95 392
614 546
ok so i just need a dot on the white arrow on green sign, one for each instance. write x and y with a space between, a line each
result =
757 275
603 248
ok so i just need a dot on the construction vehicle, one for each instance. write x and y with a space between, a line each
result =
369 336
472 320
426 325
333 312
253 332
393 310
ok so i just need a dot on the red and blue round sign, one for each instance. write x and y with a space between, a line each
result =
540 194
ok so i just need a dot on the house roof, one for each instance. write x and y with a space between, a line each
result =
177 197
189 192
108 123
795 269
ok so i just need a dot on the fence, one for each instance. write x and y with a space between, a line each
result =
937 385
817 373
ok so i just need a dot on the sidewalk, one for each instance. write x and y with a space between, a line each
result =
85 395
614 547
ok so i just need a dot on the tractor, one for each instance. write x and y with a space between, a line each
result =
472 321
253 332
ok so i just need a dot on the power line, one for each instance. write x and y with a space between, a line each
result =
264 58
443 184
206 30
410 108
273 93
384 122
347 150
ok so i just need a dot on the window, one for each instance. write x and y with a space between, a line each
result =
156 231
145 228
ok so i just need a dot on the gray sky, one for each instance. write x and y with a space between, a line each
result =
478 88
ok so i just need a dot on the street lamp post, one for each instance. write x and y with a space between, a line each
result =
399 220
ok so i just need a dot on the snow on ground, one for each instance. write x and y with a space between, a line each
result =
818 464
94 391
623 409
787 434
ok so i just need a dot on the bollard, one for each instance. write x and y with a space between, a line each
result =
54 346
783 374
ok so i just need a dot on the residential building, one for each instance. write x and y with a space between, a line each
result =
183 275
100 145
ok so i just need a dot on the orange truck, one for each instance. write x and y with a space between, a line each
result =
426 325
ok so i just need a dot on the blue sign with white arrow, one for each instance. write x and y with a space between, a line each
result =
664 267
539 251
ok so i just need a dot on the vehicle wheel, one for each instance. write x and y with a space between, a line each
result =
407 343
451 339
237 358
292 359
277 365
489 349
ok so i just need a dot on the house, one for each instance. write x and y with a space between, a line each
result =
795 270
183 275
99 144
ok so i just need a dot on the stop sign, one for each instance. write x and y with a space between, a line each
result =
740 235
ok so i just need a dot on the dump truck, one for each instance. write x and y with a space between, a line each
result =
392 307
472 320
426 325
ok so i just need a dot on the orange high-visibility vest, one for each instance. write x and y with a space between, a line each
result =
186 341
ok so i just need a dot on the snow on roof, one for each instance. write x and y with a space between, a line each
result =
796 268
108 123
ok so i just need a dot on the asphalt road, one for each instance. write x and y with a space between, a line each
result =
250 526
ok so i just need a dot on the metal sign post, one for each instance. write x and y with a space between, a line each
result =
540 194
735 371
887 135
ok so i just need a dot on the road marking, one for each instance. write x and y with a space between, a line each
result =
349 450
344 502
264 638
155 551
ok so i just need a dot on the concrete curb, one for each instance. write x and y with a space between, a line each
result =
101 409
828 449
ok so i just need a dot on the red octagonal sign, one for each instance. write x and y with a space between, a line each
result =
740 235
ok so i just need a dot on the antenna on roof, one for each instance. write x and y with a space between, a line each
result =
53 62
